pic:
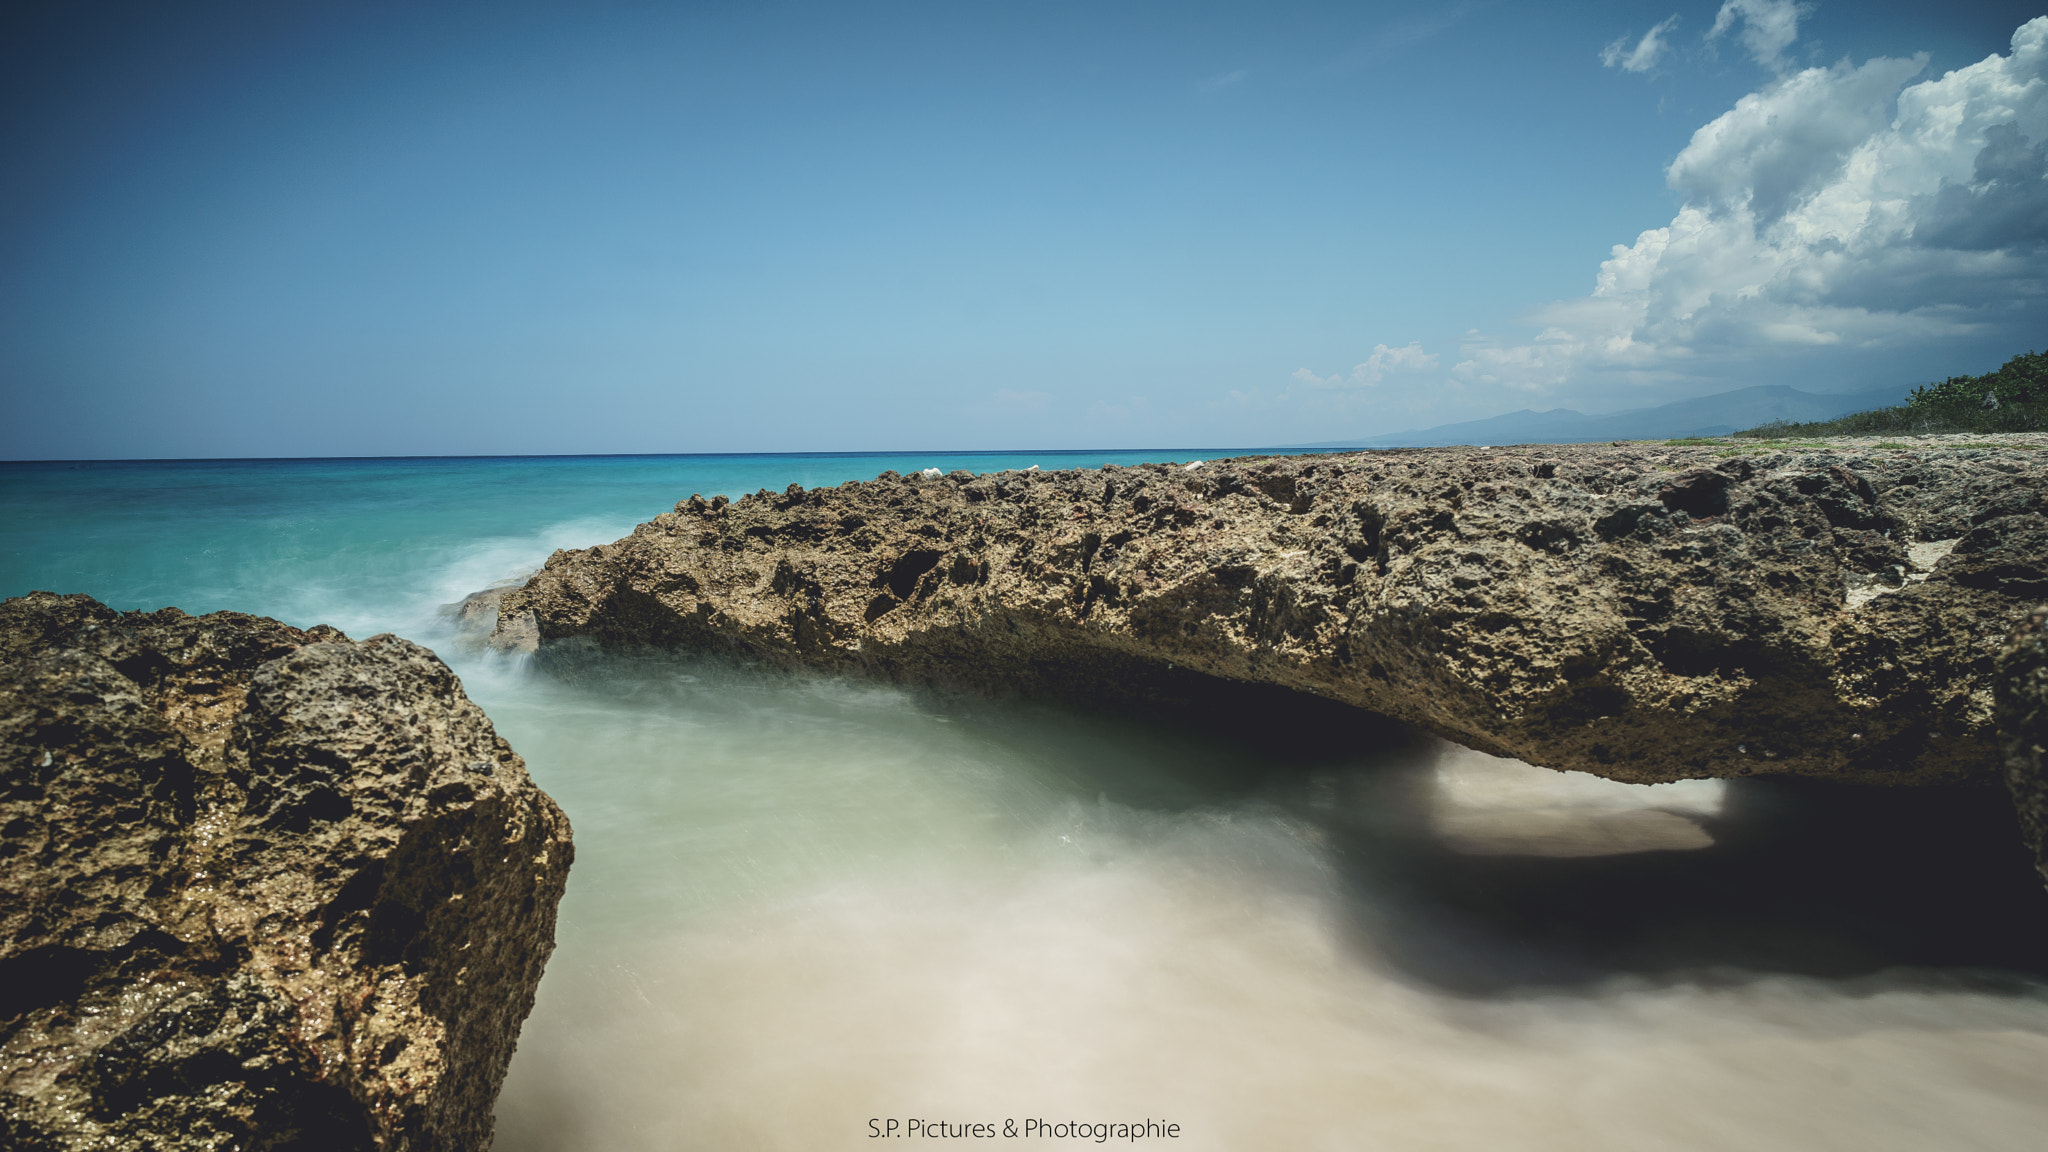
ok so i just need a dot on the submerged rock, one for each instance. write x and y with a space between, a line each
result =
475 617
260 888
1643 612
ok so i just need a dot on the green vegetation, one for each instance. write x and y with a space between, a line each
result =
1689 442
2012 399
1775 445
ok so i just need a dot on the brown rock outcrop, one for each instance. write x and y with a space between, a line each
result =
260 888
2022 692
1644 612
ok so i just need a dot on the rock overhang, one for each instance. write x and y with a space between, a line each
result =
1643 612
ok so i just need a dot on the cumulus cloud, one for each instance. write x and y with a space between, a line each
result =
2005 203
1646 52
1844 207
1768 27
1778 146
1384 360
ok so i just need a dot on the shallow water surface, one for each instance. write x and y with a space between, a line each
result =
822 902
801 903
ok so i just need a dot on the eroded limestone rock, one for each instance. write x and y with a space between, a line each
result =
1644 612
259 888
2023 727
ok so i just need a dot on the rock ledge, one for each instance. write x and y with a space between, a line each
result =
1644 612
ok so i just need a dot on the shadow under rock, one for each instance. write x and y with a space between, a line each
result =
1143 734
1803 878
1210 744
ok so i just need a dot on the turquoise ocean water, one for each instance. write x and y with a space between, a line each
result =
801 904
367 543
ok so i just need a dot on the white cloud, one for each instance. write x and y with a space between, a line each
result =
1782 143
1839 207
1225 80
1646 52
1132 406
1395 40
1384 360
1768 27
1008 401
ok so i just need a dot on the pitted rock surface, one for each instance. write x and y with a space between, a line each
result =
1643 612
260 888
2022 693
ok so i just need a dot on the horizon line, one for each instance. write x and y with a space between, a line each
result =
650 455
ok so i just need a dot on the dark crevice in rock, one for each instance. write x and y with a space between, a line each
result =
902 576
1701 494
42 978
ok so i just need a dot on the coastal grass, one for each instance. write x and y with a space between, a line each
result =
1805 443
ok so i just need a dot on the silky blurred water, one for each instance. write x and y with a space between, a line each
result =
801 904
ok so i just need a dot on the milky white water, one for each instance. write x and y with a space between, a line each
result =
800 905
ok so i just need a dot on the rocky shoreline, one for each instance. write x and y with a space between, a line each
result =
263 888
1645 612
270 888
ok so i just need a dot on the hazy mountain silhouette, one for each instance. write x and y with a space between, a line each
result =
1715 415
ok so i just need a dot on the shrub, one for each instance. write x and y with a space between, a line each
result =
2023 380
1957 404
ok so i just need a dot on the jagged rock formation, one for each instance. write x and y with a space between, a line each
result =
1643 612
2022 692
259 888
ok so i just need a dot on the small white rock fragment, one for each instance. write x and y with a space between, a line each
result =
1926 554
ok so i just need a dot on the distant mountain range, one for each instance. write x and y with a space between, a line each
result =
1715 415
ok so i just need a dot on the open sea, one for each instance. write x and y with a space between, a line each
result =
806 908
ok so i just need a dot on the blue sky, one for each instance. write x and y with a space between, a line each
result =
465 228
